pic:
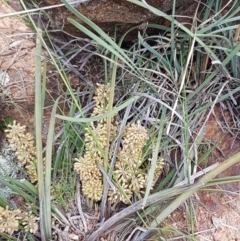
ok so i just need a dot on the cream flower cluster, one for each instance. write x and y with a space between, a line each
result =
159 168
10 220
95 144
24 147
128 174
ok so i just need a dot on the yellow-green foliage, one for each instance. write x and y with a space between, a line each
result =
10 221
128 175
24 147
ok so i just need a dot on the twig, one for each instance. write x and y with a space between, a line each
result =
139 228
198 174
39 9
74 226
137 206
79 205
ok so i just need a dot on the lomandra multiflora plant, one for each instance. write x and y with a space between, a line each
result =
129 175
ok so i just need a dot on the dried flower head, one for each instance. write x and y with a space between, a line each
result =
127 173
9 220
159 167
23 145
32 172
134 139
95 144
15 132
30 222
158 170
123 194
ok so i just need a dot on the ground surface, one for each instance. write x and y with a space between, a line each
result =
217 213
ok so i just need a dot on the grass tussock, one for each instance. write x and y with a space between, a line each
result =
134 135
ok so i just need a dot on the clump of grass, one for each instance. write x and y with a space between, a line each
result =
173 90
172 104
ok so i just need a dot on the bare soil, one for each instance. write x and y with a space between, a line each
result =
217 211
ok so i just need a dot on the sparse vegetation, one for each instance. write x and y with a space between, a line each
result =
130 147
